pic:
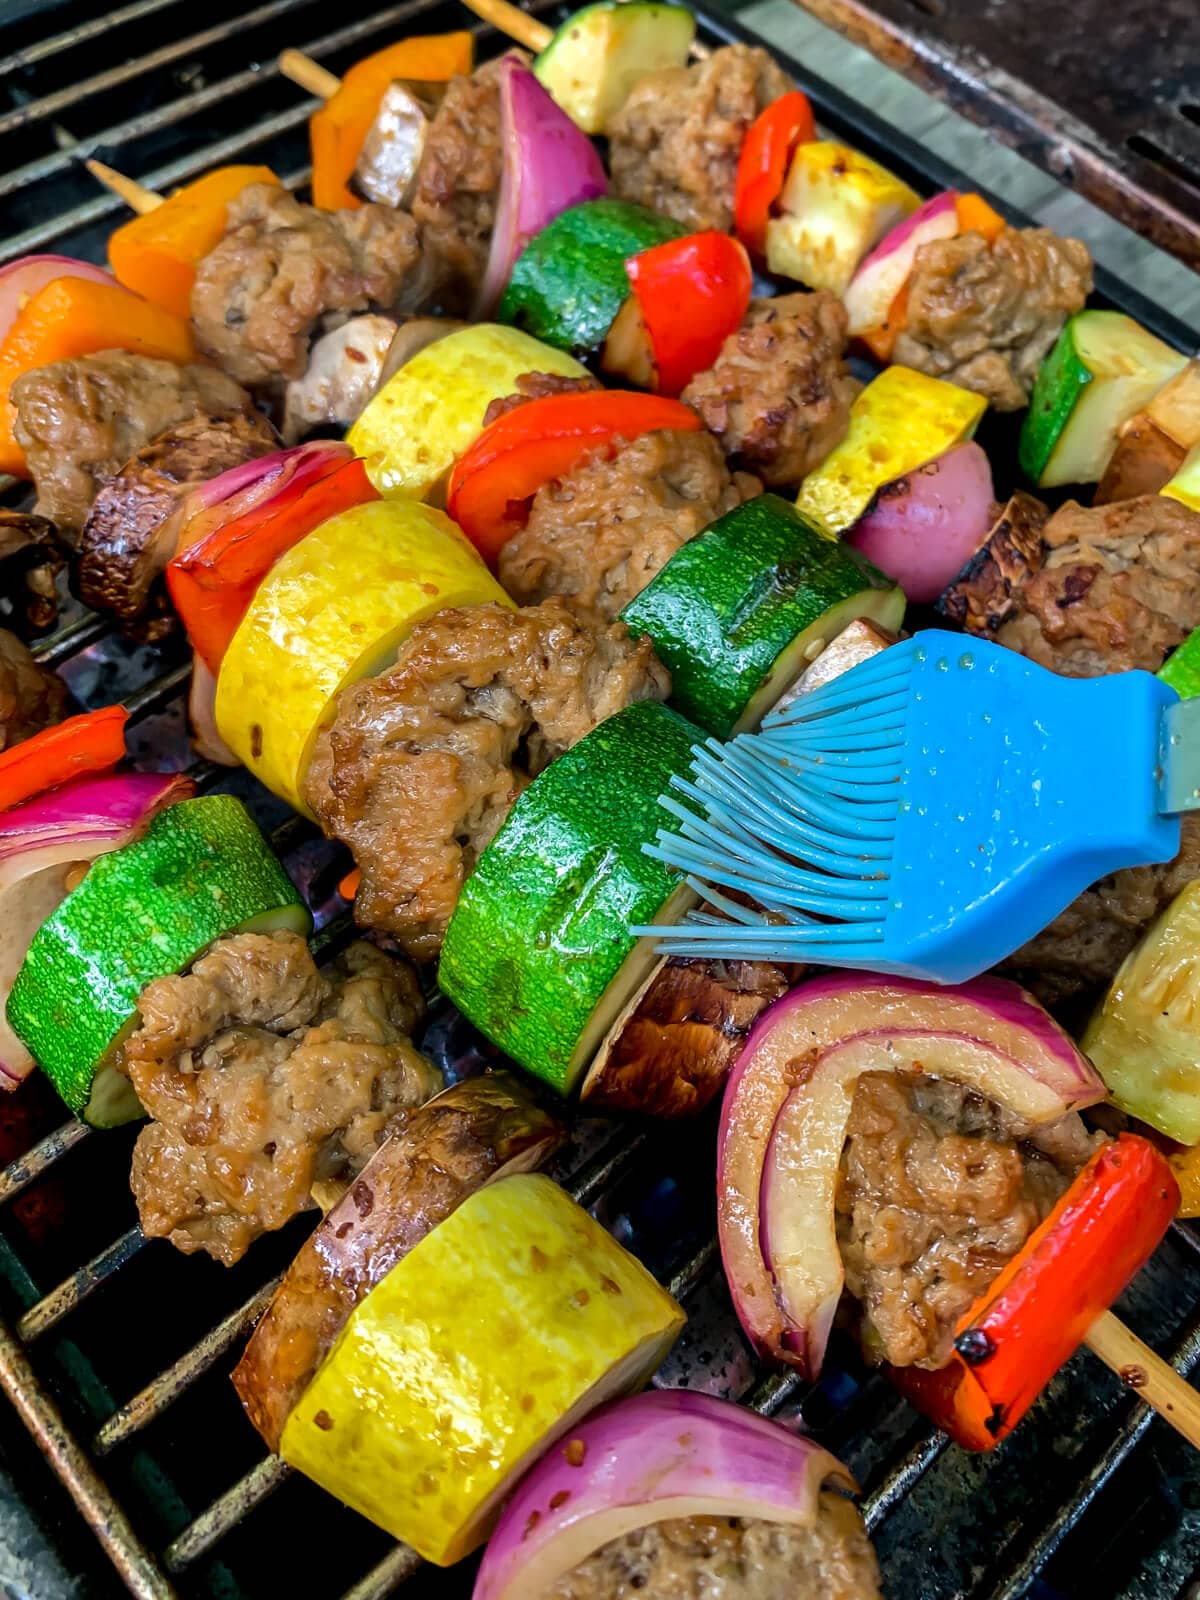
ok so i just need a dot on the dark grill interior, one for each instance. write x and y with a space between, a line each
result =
116 1354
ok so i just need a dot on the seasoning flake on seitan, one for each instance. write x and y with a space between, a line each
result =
674 145
597 536
732 1558
282 267
424 762
985 314
939 1188
778 396
263 1077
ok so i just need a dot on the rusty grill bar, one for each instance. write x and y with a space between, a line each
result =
192 100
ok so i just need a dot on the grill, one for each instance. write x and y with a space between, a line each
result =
1110 103
116 1356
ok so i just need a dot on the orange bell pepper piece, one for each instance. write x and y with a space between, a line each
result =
80 747
348 887
155 255
976 216
338 128
881 341
1038 1311
76 317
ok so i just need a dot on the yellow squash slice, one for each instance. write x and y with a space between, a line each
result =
516 1316
421 421
901 420
335 609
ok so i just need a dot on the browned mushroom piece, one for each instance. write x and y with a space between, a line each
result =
130 534
472 1134
31 558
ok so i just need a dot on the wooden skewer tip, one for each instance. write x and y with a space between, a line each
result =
309 74
135 195
1149 1377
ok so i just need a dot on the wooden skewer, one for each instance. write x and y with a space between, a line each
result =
1148 1375
309 74
517 24
531 33
135 195
510 19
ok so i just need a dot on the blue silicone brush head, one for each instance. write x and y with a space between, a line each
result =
925 814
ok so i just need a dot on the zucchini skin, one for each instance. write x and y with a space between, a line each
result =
201 870
731 603
541 929
569 282
1061 379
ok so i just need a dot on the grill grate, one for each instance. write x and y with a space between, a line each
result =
171 1480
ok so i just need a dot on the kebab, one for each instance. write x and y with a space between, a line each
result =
429 1225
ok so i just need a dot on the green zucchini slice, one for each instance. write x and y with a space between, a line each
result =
1181 669
569 282
738 613
201 870
1144 1039
538 954
599 53
1104 369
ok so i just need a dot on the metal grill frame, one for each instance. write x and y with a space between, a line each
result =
147 1574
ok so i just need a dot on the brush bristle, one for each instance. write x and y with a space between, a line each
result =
798 820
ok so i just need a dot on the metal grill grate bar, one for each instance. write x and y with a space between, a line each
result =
138 1570
1184 1357
903 1473
49 105
599 1174
150 1403
226 1512
60 646
396 1568
38 1160
43 49
176 111
73 1291
168 177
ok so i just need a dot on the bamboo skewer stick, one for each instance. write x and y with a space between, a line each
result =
309 74
1118 1347
510 19
1147 1374
135 195
532 33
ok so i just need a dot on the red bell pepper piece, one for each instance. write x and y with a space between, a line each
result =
1038 1311
692 293
767 151
494 481
213 579
80 747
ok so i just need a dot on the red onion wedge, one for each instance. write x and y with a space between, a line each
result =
549 165
885 271
924 528
252 484
202 716
669 1453
42 843
20 281
783 1123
